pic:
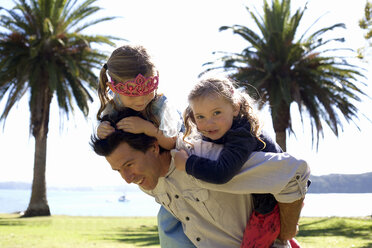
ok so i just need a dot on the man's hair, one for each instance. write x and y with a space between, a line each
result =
104 147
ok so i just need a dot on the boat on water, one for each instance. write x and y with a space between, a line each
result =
122 198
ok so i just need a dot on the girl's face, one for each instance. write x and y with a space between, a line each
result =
213 115
137 103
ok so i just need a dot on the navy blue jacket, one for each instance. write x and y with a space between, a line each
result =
239 144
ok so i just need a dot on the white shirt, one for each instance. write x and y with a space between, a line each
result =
216 215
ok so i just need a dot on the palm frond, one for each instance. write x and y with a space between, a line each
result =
310 71
39 48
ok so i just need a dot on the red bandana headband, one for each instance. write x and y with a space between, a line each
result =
140 86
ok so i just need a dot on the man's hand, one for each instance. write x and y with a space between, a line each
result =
289 216
180 159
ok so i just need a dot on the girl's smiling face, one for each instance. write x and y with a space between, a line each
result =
137 103
213 115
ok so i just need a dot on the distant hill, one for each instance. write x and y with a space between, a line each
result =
27 186
15 185
341 183
333 183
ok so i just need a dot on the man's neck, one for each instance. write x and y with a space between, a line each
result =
165 159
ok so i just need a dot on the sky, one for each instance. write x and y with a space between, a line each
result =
182 36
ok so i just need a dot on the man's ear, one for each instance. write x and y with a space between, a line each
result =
155 148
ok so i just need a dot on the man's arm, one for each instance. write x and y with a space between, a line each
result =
280 174
289 216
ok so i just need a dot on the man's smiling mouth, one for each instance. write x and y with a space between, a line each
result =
139 182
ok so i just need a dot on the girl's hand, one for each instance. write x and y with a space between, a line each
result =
180 158
136 125
104 129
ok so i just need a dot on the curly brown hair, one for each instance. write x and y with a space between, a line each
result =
225 88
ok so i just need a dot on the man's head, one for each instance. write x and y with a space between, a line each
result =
137 157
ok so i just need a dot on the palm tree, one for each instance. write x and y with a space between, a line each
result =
44 53
366 24
284 70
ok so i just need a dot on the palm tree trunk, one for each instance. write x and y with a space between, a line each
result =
281 121
38 205
281 139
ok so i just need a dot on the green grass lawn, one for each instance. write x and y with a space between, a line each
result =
335 232
125 232
82 232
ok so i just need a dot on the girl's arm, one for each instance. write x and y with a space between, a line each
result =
166 142
232 157
238 146
136 124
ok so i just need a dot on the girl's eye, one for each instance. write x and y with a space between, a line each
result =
199 117
217 113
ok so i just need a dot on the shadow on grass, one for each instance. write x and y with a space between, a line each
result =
11 222
141 237
336 227
19 221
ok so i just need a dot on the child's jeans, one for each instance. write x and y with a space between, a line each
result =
171 233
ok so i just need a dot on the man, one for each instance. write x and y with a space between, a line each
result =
212 215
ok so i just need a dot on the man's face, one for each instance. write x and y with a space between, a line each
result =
143 169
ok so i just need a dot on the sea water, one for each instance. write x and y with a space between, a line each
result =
137 203
83 203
